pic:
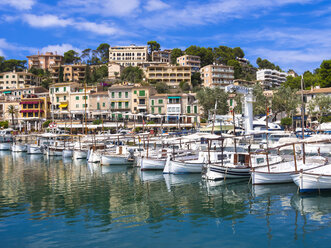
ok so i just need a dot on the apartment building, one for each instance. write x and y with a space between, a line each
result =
99 104
128 55
271 78
34 107
161 56
71 73
18 93
140 99
120 97
44 61
158 104
217 75
171 75
190 60
18 80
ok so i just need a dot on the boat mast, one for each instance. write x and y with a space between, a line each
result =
302 120
214 117
85 108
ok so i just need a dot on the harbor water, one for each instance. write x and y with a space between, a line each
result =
60 202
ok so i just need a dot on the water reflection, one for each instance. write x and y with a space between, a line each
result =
62 200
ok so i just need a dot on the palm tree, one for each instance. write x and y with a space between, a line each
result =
12 111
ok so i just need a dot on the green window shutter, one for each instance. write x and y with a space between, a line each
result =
141 93
126 104
77 97
195 109
135 92
231 102
113 95
160 101
126 94
119 105
152 102
112 104
160 110
120 116
56 89
103 104
119 94
98 105
113 116
188 109
64 98
64 88
152 110
57 99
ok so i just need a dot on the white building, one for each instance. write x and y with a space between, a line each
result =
128 55
271 77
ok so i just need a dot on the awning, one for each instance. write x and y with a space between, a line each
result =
6 92
174 97
63 105
34 102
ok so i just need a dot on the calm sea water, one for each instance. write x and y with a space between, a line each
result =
56 203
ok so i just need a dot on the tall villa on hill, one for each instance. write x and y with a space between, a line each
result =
44 61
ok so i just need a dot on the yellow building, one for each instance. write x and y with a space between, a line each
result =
171 75
34 107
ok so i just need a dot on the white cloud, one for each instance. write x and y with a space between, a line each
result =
45 21
153 5
60 48
101 7
6 46
200 13
19 4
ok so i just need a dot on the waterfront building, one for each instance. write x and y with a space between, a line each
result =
158 104
99 104
17 93
140 98
44 61
169 74
5 102
161 56
18 80
190 60
120 98
128 55
217 75
270 78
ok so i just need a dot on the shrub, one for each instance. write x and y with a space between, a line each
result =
286 122
46 123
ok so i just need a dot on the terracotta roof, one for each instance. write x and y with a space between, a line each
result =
316 91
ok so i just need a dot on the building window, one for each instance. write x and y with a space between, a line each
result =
141 93
126 104
56 89
119 94
188 109
113 104
135 92
64 89
160 110
103 104
195 109
152 102
126 94
160 101
231 102
98 106
77 97
119 105
77 105
152 110
85 97
57 99
64 98
113 95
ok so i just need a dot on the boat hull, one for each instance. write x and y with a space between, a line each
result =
311 182
67 153
270 178
5 146
218 172
152 164
18 148
114 160
178 167
79 154
34 150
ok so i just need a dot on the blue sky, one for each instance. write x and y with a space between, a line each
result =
291 33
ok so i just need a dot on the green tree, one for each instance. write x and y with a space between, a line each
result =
71 57
286 122
196 79
13 112
86 55
103 50
285 100
266 64
46 82
161 88
175 53
132 74
153 46
37 71
185 87
259 106
205 54
293 82
320 106
12 64
238 52
207 98
325 73
237 68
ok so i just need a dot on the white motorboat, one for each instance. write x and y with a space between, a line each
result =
122 155
314 179
5 146
34 149
67 153
80 154
281 172
237 165
19 148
